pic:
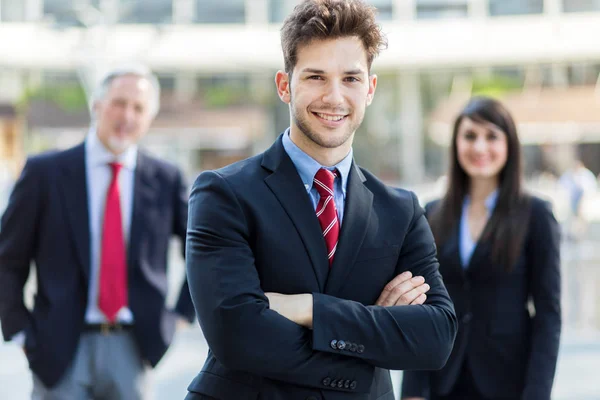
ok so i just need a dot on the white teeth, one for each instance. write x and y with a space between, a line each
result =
331 117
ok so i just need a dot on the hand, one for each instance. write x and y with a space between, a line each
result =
182 323
404 290
297 308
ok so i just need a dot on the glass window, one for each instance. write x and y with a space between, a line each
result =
62 12
384 9
220 12
12 11
279 9
146 11
581 5
516 7
431 9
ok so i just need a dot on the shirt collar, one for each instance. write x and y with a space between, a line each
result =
307 166
97 154
490 201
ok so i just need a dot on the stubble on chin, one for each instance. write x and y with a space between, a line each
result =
304 127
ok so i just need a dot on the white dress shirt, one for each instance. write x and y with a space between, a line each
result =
99 176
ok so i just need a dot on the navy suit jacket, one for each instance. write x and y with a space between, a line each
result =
511 354
252 229
46 221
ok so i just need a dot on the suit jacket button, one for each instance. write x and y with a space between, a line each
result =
353 385
340 383
326 381
347 384
341 345
333 383
466 318
353 347
333 344
361 349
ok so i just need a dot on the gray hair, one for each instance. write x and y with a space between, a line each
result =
135 70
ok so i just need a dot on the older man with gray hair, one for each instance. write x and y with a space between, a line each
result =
96 220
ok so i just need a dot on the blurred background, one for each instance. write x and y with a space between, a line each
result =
216 62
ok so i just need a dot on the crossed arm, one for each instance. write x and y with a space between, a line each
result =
250 331
403 290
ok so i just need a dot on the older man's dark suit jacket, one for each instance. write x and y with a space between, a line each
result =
511 354
252 229
46 221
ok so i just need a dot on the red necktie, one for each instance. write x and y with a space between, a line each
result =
326 211
112 295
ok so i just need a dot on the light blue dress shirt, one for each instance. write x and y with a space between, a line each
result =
466 242
307 167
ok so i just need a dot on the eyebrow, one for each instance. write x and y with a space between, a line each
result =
320 71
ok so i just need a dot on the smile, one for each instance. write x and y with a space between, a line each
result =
329 117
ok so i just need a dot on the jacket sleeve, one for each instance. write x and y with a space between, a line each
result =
233 311
416 337
17 243
544 282
184 306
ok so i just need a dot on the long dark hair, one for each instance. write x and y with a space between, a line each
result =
504 230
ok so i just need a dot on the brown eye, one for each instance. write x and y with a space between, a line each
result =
470 136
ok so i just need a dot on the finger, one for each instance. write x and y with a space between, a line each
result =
402 294
419 300
405 294
403 277
392 296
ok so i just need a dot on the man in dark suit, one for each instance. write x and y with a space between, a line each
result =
96 219
294 255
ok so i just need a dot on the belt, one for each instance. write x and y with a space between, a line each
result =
106 327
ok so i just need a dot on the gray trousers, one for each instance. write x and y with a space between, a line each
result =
105 367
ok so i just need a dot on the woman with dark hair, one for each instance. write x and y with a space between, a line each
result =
499 254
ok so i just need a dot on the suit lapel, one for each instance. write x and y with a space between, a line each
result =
145 189
73 186
286 185
357 212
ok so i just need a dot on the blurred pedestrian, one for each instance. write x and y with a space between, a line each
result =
299 261
580 183
96 220
498 247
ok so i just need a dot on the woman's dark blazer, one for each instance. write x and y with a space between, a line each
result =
511 349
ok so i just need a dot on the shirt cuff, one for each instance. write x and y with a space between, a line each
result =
19 339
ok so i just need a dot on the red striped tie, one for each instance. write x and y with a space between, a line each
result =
112 295
326 211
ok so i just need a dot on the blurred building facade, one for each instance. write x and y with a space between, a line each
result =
216 61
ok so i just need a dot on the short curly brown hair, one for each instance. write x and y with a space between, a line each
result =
330 19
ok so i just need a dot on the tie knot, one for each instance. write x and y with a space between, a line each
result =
323 181
116 168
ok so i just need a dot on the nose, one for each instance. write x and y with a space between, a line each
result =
333 95
480 145
129 113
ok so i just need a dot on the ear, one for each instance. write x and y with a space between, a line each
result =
282 81
372 87
96 108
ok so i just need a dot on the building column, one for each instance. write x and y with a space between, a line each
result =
412 157
478 9
186 86
110 11
34 10
553 7
404 10
184 11
257 12
12 84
